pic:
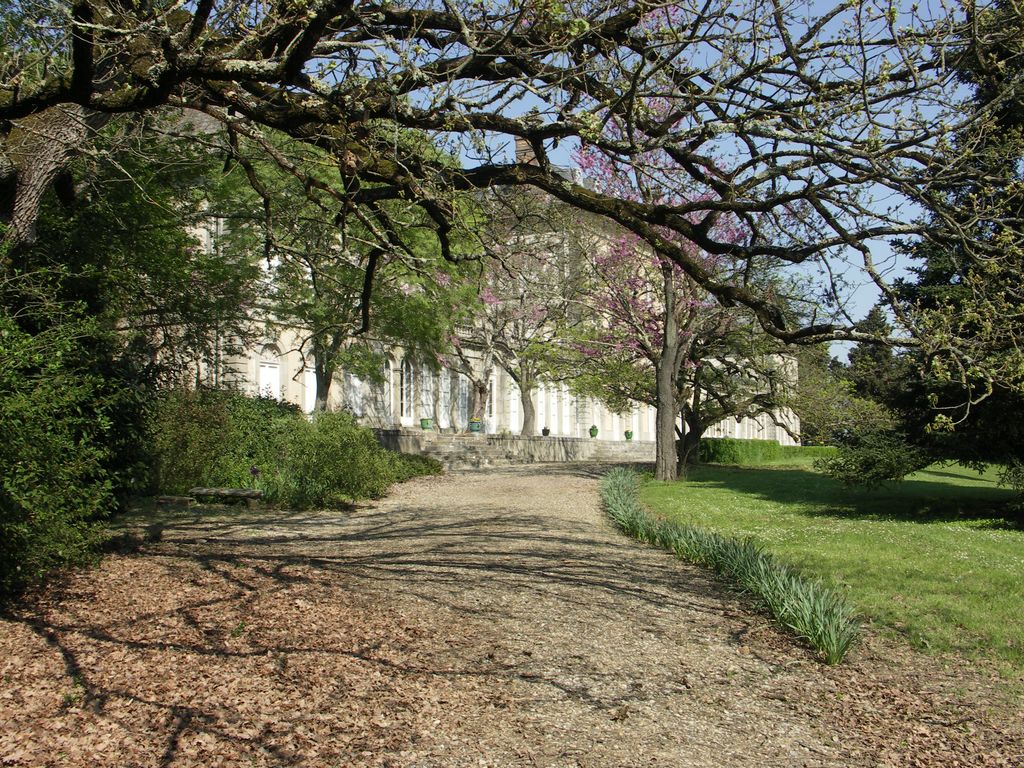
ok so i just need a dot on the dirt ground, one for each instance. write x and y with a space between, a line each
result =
477 619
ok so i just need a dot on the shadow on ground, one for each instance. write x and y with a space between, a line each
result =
913 500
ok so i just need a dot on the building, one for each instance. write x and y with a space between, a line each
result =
408 392
405 391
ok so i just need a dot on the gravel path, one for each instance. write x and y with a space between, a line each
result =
490 618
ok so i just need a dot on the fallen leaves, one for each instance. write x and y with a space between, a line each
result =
482 620
141 663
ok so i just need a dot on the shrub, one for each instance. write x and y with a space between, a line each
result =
408 466
327 462
806 451
331 460
258 429
228 439
874 458
186 435
54 481
730 450
1011 475
812 611
214 437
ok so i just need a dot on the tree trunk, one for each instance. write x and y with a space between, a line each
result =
480 392
435 400
529 412
324 378
453 399
666 463
665 457
35 151
694 427
526 379
690 451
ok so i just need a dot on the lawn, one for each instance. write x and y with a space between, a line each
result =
926 558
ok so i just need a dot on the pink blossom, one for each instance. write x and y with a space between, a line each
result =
487 296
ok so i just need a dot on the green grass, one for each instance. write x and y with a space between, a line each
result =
930 558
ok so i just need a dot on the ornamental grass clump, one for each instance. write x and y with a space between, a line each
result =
811 610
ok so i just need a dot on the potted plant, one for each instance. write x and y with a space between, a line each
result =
426 423
476 425
629 435
593 430
545 431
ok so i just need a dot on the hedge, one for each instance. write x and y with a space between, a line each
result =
731 450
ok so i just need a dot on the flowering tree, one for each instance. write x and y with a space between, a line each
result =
823 128
817 126
660 337
655 337
472 344
528 286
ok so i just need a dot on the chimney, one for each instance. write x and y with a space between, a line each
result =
524 152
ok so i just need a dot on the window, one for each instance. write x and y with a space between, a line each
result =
387 396
354 394
309 389
463 413
270 373
406 390
426 391
444 405
567 403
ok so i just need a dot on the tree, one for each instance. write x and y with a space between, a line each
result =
827 401
708 359
958 388
874 370
473 353
127 245
796 121
655 337
118 293
528 286
322 257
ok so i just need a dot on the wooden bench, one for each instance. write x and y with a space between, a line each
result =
250 495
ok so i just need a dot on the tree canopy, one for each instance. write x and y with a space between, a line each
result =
818 127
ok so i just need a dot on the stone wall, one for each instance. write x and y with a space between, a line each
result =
458 451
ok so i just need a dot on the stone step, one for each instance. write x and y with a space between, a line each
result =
474 450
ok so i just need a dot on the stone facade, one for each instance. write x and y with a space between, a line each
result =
409 392
459 451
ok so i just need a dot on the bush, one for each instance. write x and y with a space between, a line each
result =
227 439
186 429
814 612
55 485
874 458
214 438
408 466
328 462
730 450
331 460
258 430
